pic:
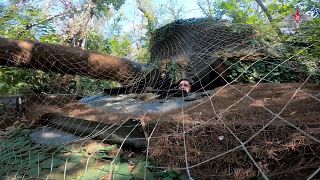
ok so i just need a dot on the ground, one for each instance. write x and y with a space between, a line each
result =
278 125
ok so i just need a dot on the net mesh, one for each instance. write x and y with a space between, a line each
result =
149 129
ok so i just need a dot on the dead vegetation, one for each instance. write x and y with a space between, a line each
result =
213 150
283 146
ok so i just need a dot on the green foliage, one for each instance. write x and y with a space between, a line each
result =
170 175
17 23
237 10
303 47
147 8
103 6
19 152
306 36
13 24
143 55
89 86
23 157
27 22
14 80
306 43
272 71
120 45
96 42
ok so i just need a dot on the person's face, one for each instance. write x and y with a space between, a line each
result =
185 86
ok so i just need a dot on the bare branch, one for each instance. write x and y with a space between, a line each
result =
266 12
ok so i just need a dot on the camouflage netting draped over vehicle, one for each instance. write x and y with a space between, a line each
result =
195 49
236 131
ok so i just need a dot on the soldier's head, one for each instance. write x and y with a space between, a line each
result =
185 86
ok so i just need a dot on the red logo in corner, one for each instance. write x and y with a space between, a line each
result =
297 16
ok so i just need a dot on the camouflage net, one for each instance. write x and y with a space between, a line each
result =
262 129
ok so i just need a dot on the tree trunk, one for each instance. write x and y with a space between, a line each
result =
67 60
266 12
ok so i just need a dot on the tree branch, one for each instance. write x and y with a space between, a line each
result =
266 12
28 27
67 60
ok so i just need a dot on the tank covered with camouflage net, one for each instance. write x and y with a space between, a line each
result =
193 49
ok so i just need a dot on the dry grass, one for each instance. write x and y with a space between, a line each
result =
280 150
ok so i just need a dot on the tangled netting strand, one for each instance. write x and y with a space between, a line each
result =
191 47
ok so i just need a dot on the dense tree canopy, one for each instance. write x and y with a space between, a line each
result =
122 28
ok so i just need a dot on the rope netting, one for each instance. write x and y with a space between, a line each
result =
151 127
